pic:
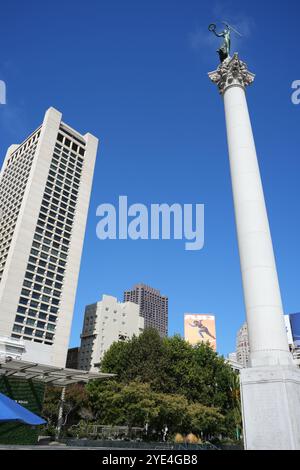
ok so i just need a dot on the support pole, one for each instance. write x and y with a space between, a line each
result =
60 413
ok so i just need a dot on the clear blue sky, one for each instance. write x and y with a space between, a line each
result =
134 74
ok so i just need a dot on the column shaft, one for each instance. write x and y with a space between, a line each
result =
267 335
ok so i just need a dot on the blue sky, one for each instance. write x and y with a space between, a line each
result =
134 73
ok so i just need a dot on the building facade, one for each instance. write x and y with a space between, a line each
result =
106 322
292 323
242 346
233 362
11 349
153 306
72 358
45 186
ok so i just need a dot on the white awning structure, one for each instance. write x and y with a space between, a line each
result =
48 374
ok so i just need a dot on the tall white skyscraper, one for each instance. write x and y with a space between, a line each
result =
106 322
45 186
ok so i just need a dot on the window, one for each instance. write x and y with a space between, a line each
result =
32 313
19 319
28 331
17 328
21 309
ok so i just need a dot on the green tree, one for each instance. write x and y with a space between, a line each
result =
171 411
136 404
142 358
171 365
116 404
159 381
205 421
75 404
236 412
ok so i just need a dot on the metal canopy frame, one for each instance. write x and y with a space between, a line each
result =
57 376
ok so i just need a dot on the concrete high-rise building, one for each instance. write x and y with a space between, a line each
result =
242 346
153 306
45 186
106 322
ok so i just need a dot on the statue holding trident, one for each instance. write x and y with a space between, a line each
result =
224 50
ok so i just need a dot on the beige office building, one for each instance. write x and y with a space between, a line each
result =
106 322
45 186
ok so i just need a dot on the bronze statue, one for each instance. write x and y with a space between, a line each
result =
224 50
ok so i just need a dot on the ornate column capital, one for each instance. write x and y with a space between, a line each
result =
231 72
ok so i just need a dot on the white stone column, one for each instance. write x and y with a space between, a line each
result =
270 388
261 289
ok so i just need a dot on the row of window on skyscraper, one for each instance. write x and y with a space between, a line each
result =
13 184
40 296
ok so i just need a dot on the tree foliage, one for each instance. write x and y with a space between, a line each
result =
161 382
171 365
136 404
75 403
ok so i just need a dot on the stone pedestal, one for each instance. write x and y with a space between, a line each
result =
271 407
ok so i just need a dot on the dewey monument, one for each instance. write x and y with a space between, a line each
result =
270 387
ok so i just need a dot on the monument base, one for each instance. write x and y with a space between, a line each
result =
271 407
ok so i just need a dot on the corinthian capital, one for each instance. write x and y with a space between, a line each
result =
231 72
